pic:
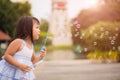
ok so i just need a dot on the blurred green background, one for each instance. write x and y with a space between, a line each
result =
95 31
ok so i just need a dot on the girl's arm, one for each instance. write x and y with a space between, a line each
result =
36 59
11 50
14 47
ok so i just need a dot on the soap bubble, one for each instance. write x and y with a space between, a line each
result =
77 34
83 34
109 53
80 51
106 32
114 38
113 48
81 37
116 34
102 34
118 48
78 25
112 42
95 35
101 29
85 49
95 43
91 31
116 29
110 38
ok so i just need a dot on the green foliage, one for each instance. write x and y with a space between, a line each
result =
44 25
106 12
109 56
62 47
99 27
51 48
37 48
103 36
9 14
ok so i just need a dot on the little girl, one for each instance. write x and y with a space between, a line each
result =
19 56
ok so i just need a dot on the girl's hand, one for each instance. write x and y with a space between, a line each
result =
25 68
43 53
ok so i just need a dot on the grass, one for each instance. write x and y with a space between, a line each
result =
51 48
112 56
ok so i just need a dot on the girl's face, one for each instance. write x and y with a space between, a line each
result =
36 30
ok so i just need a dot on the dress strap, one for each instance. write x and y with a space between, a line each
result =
32 46
23 42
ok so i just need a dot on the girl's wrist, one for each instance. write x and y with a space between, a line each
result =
19 65
40 57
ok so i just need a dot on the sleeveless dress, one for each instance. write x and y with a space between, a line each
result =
10 72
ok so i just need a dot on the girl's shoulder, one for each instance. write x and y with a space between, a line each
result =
14 46
16 42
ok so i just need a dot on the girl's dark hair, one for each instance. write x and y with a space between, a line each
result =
24 27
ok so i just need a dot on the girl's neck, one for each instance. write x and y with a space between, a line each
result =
28 41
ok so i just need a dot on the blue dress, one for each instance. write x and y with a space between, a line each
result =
10 72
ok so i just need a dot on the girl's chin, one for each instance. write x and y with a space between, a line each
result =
36 38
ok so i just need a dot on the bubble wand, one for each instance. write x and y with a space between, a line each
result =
44 45
42 49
